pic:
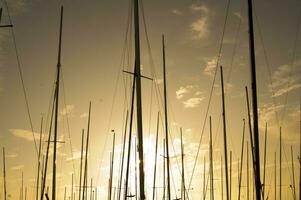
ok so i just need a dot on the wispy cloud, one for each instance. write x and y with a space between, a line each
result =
24 134
181 91
17 167
285 79
193 102
67 110
199 27
210 67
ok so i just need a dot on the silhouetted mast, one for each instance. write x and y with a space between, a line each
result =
39 160
293 174
241 159
275 181
225 135
81 165
204 179
264 160
183 188
4 174
112 167
86 155
156 152
211 161
254 101
122 156
139 100
166 120
57 108
280 164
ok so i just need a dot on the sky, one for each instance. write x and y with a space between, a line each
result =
96 47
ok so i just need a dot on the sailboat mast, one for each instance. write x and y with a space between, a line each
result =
112 166
280 164
166 120
204 179
139 100
254 101
39 160
57 108
72 186
211 161
81 165
275 176
265 158
241 159
230 175
225 135
156 152
248 173
122 156
164 169
86 155
183 189
293 174
4 173
222 179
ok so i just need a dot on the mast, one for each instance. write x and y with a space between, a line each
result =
280 164
166 120
293 174
204 179
65 193
183 190
122 156
241 158
211 161
222 180
86 155
91 189
39 161
164 169
57 108
112 167
4 174
225 135
139 100
136 189
110 180
254 101
130 139
265 158
22 186
248 173
81 165
156 152
275 176
230 175
72 186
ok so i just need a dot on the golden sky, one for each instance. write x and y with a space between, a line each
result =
92 61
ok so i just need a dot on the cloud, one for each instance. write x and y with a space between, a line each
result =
84 115
67 110
210 67
76 156
177 12
180 92
285 79
199 27
24 134
193 102
11 155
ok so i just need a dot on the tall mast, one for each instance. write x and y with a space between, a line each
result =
156 152
86 155
293 174
164 168
166 120
122 156
72 186
222 180
225 135
275 176
57 108
130 139
254 101
39 161
81 165
280 164
22 186
265 158
112 167
110 179
4 173
183 190
248 173
241 159
204 179
139 100
211 161
136 185
230 175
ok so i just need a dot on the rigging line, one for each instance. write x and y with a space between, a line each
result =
68 125
116 87
21 78
211 91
